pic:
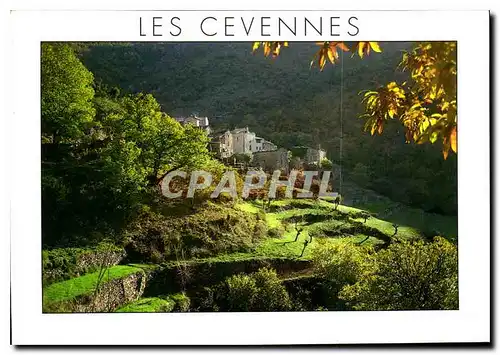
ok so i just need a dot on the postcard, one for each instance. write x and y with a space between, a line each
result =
239 177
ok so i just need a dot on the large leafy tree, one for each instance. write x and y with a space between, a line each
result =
426 104
66 94
102 152
163 144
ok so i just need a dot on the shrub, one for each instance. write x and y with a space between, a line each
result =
260 291
408 275
182 302
325 163
272 295
213 229
242 292
340 264
206 299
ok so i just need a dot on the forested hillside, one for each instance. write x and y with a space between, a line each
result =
286 101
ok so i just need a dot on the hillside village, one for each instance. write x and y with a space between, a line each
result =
112 242
241 146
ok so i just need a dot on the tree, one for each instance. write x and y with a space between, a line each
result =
101 154
165 145
340 264
426 104
361 174
408 275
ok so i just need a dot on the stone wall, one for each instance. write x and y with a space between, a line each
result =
273 160
77 262
109 297
100 257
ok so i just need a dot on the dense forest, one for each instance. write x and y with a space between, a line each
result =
289 103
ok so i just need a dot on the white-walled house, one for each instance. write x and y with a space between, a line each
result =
256 144
242 140
245 141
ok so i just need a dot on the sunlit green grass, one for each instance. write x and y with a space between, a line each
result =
250 207
416 218
322 207
319 221
287 247
148 305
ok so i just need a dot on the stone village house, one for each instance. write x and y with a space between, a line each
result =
240 141
264 154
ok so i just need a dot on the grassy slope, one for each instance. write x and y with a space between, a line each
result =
417 218
286 247
72 288
394 212
282 246
169 303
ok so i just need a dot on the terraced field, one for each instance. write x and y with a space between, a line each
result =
294 229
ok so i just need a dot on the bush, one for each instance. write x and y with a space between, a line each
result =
206 299
260 291
326 163
340 264
408 276
272 295
213 229
182 302
242 292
